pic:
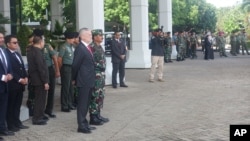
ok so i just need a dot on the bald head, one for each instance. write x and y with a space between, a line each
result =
1 39
85 35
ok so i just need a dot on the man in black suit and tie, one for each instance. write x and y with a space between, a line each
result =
83 76
5 76
17 84
118 52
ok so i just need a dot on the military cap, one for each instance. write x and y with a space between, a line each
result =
157 30
168 32
96 32
38 32
69 35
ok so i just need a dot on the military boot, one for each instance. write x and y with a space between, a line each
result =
94 120
103 119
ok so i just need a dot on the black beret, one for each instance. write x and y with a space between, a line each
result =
168 32
69 35
38 32
76 34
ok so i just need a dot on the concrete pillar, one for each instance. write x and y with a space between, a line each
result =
165 20
5 10
56 13
165 14
139 55
90 13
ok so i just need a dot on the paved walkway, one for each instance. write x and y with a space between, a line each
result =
198 102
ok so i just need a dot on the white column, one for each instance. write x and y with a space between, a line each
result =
139 56
56 13
5 10
165 15
165 20
90 14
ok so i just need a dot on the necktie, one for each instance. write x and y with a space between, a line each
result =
3 61
90 50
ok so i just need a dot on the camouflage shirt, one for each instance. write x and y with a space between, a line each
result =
99 57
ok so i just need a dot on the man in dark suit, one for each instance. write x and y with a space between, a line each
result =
39 78
17 84
83 76
118 52
5 76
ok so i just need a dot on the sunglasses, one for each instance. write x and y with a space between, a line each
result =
14 42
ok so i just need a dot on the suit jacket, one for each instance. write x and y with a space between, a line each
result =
37 68
3 85
83 67
18 70
117 49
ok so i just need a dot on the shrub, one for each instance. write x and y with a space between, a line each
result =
22 35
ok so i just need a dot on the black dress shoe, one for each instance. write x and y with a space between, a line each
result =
39 122
94 120
45 118
103 119
1 139
115 87
84 130
51 115
72 107
91 127
65 110
22 127
7 133
14 129
123 85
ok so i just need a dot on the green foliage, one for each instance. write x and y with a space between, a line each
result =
69 13
117 12
3 20
22 35
34 9
58 29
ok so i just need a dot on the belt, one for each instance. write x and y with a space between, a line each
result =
67 65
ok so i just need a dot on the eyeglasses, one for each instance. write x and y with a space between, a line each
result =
14 42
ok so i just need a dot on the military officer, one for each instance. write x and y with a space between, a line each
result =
96 101
221 42
54 72
243 40
181 46
193 44
233 40
65 59
168 48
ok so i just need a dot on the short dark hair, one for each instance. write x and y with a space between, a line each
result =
37 39
8 38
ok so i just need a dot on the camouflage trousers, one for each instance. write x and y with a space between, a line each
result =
97 97
222 49
167 54
181 52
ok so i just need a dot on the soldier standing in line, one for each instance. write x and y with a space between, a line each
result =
65 59
97 98
243 40
181 45
233 40
221 43
237 42
193 44
168 48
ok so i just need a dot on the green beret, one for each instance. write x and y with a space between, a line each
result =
96 32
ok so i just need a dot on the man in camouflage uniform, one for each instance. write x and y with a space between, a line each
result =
181 46
193 44
233 40
168 48
96 101
65 59
237 42
243 41
221 42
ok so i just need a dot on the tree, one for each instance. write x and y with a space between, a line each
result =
34 9
3 20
